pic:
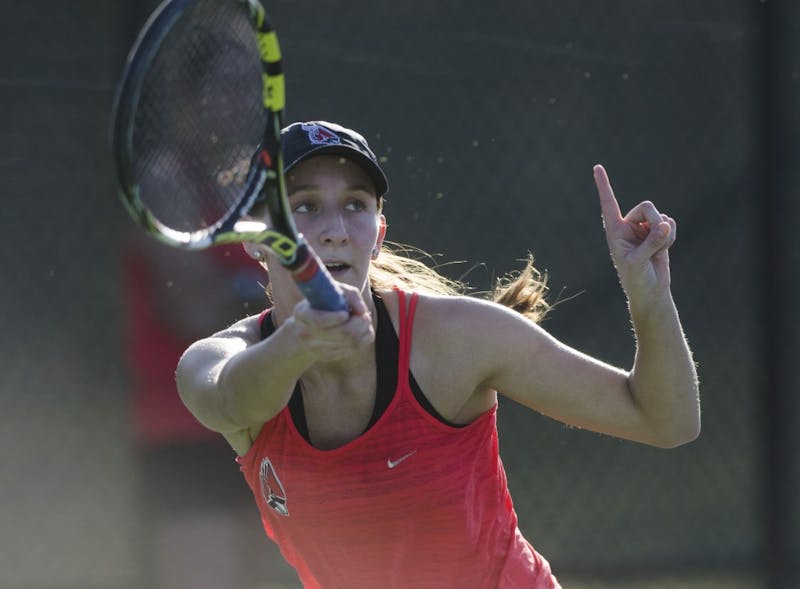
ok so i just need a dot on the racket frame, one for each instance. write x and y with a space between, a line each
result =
265 178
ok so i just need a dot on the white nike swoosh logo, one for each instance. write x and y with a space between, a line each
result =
392 463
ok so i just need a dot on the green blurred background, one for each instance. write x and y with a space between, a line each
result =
489 117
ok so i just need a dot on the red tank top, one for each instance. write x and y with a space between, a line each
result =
411 503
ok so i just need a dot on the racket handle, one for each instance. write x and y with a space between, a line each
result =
315 282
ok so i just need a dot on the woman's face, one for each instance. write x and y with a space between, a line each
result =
335 208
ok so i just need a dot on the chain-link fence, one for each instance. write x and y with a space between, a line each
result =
489 117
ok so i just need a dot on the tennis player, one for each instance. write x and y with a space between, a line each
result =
368 438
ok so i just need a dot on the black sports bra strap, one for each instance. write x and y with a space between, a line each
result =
387 356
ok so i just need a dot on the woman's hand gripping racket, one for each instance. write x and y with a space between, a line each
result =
202 91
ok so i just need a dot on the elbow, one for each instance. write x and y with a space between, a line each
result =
677 423
676 441
678 436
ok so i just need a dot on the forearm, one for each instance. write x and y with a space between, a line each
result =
235 380
663 381
255 384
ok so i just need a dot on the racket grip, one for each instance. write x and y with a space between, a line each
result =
316 283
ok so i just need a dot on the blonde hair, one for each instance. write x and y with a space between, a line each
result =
408 268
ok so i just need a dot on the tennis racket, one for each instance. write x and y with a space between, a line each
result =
196 136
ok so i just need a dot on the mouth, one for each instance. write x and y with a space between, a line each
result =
337 267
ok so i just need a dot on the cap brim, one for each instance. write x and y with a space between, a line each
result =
371 168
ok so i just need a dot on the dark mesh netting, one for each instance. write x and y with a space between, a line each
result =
199 116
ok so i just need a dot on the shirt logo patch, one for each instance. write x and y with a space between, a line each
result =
272 489
394 463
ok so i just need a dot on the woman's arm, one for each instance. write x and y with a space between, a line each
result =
468 348
663 381
234 380
493 348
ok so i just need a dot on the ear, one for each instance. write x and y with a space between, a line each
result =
381 236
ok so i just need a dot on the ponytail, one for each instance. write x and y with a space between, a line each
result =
523 291
405 267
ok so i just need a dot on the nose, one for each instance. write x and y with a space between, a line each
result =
334 231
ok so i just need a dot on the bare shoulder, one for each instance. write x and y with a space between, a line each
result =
235 337
464 320
454 320
461 344
202 355
198 373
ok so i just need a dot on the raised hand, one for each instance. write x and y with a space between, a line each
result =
639 242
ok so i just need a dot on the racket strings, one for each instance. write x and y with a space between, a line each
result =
199 117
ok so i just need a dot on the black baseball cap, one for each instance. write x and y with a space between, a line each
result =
301 141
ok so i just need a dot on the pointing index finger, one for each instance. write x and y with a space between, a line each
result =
608 203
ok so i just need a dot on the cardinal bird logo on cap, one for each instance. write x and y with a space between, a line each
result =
319 135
